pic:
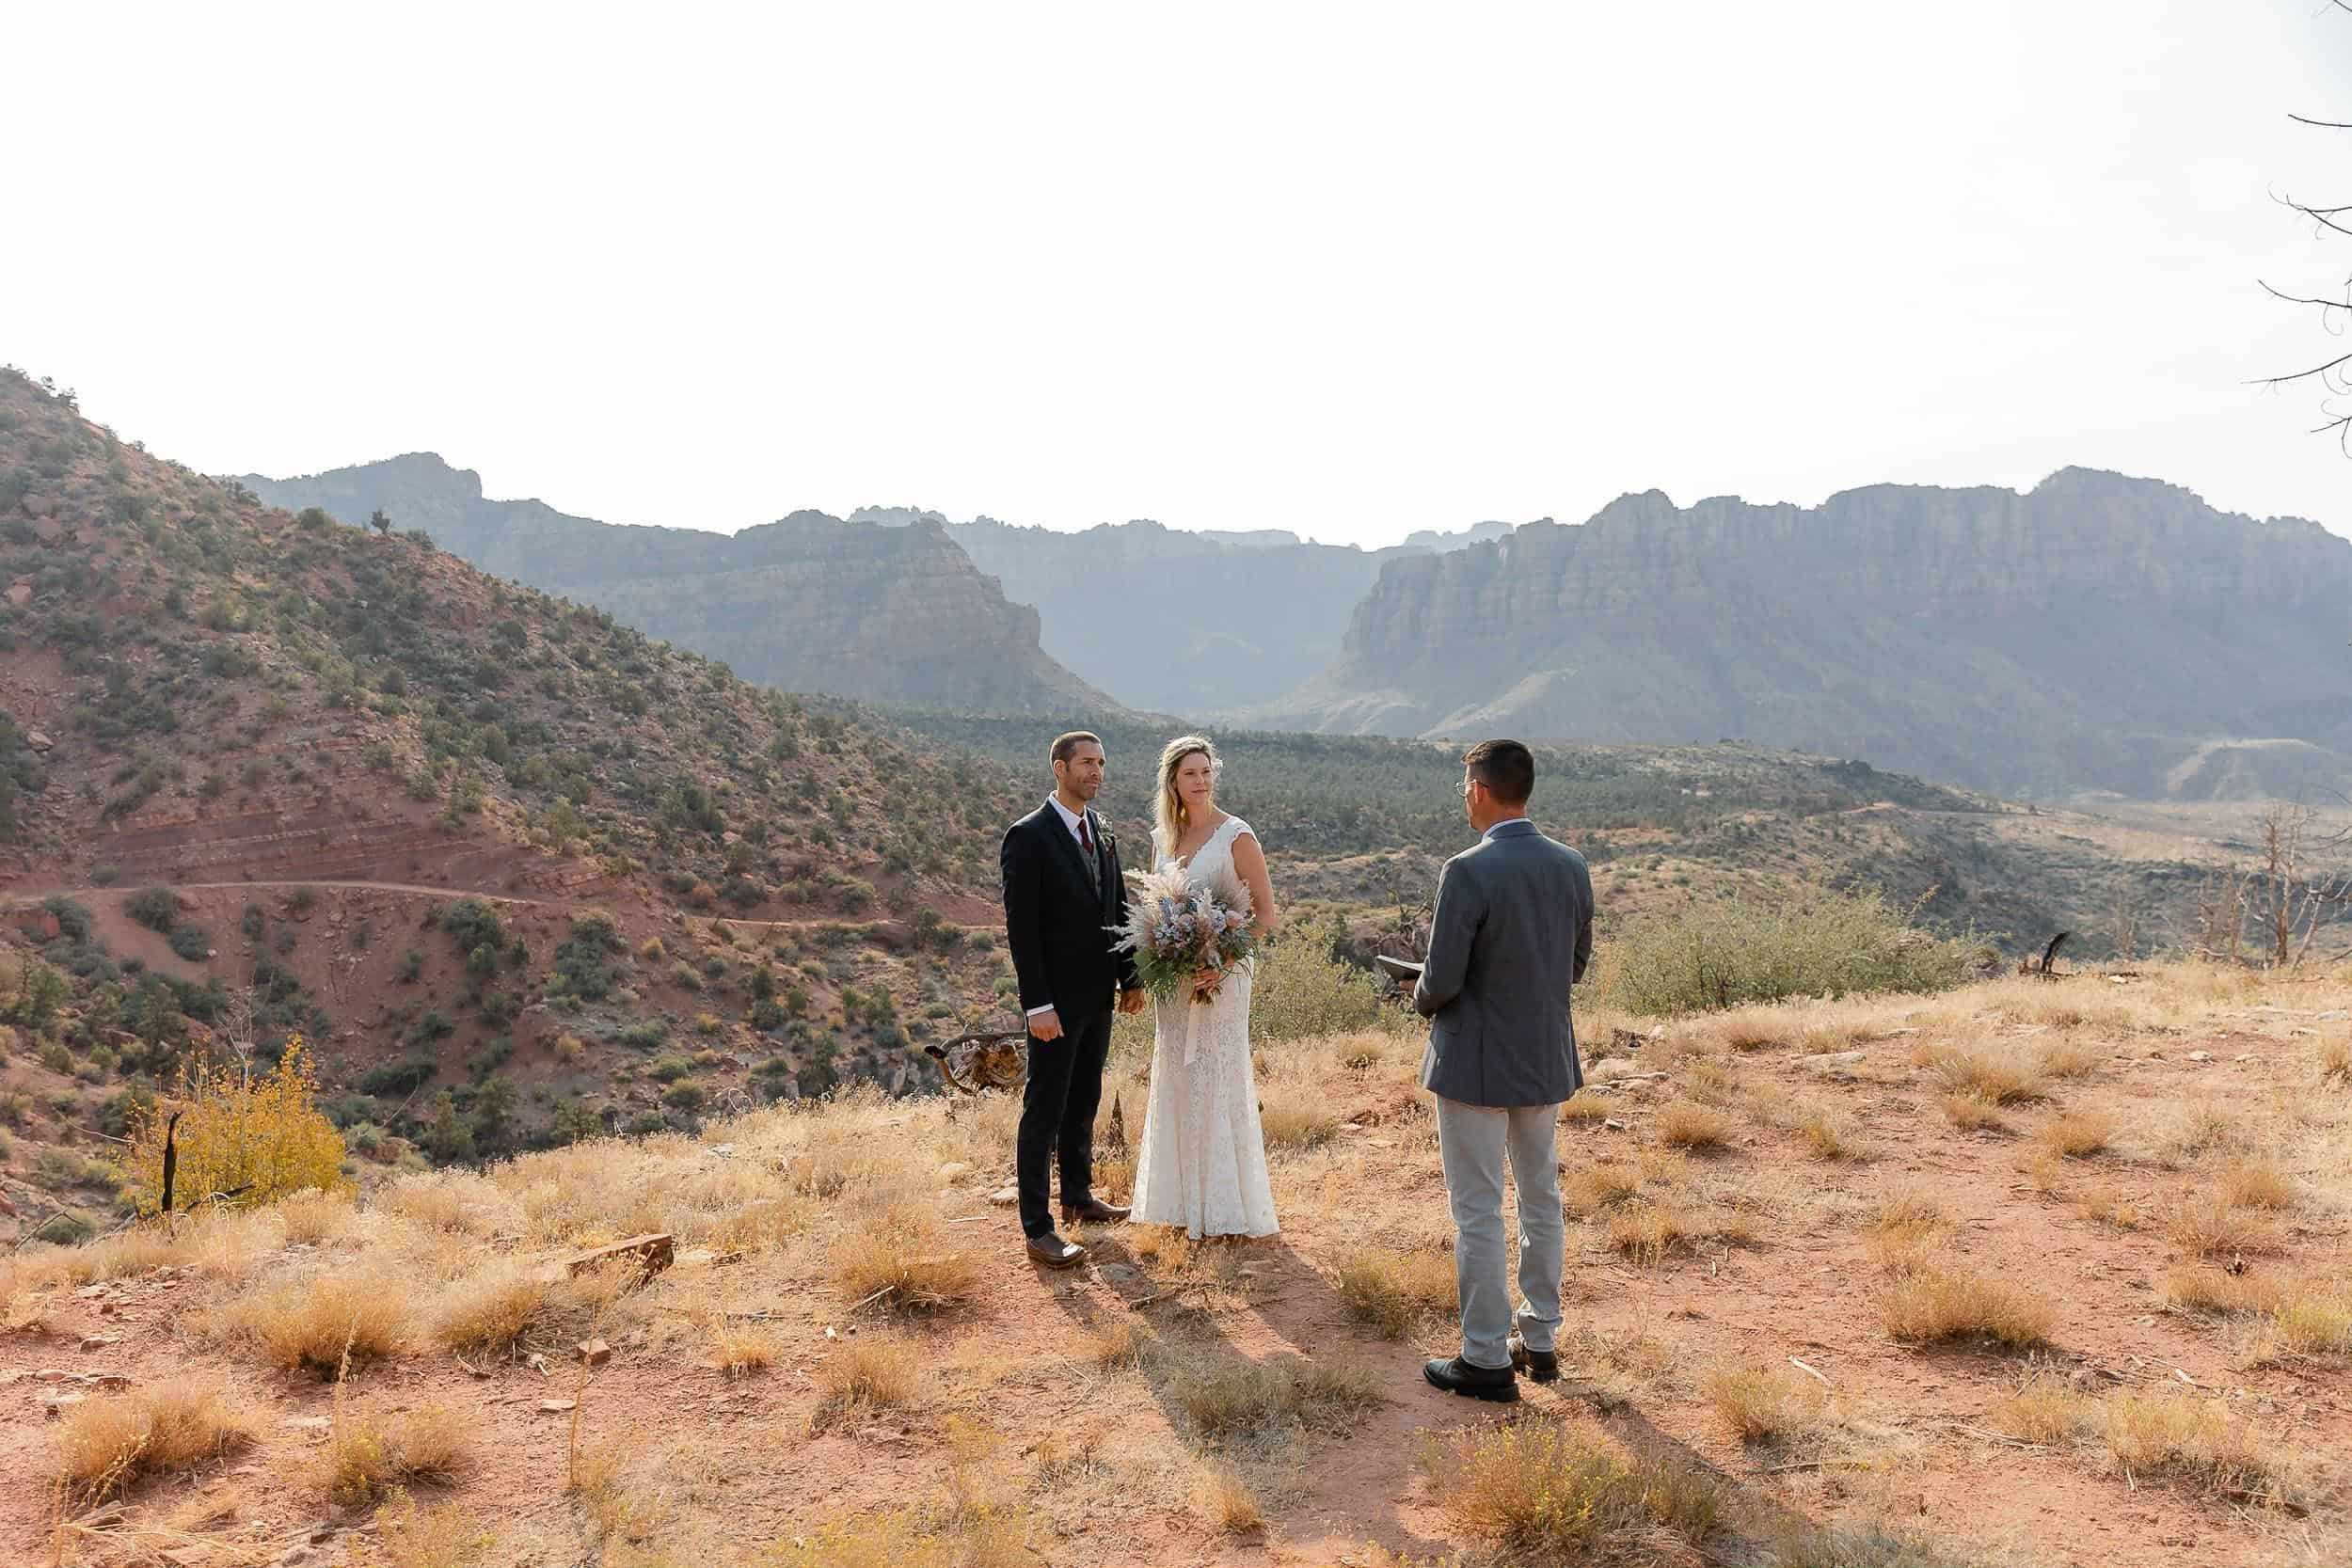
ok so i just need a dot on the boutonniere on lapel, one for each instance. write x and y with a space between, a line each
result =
1103 836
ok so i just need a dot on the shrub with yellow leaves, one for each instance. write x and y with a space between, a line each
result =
257 1138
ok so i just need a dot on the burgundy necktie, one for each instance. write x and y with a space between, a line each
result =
1086 839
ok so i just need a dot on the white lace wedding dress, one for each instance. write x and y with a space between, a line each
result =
1203 1161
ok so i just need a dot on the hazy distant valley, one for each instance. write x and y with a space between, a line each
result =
2095 635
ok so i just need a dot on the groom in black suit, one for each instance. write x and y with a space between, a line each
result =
1063 891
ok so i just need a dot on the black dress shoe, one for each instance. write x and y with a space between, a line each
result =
1055 1252
1457 1376
1543 1366
1093 1209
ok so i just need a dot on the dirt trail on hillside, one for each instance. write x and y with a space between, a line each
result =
18 898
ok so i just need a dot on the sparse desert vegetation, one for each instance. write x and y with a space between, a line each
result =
1737 1306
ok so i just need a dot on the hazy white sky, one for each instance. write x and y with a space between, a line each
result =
1350 269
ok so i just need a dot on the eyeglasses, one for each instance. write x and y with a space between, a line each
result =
1468 784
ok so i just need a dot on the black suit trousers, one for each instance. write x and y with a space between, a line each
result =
1058 1107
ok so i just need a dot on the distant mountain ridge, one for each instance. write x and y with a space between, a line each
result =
2096 632
809 602
1177 621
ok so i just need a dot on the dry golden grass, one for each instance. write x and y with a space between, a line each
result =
868 1375
2044 1170
219 1243
459 1200
1930 1306
1992 1075
1686 1125
1394 1289
1118 1345
1914 1209
2314 1326
354 1317
2205 1127
318 1218
489 1311
1647 1233
738 1347
109 1442
2203 1288
1912 1226
2209 1225
2045 1411
902 1538
2160 1432
2111 1206
1588 1106
2076 1134
1229 1398
1827 1133
1752 1031
1764 1403
1588 1189
900 1259
2257 1185
765 1222
1298 1114
365 1457
1971 1114
1561 1490
1710 1081
407 1536
1225 1502
2335 1061
2069 1060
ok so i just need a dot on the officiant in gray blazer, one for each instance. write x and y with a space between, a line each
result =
1512 932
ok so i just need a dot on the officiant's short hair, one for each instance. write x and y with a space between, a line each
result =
1507 768
1065 744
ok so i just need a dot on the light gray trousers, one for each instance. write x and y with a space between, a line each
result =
1472 1142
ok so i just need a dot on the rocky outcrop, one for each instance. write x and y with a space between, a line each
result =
810 603
2097 632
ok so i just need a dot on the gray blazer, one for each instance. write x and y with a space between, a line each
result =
1513 930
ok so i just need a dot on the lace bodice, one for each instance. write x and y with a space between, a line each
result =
1212 858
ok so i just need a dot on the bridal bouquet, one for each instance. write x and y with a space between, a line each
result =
1177 925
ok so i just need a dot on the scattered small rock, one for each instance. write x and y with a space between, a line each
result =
1831 1064
1004 1197
594 1351
305 1423
555 1407
99 1341
2201 1055
954 1170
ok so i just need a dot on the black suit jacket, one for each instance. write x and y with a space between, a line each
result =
1058 923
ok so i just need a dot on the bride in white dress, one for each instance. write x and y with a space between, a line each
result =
1203 1163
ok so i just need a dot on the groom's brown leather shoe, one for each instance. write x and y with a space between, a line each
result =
1093 1209
1055 1252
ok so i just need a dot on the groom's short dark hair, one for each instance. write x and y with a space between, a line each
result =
1065 744
1507 768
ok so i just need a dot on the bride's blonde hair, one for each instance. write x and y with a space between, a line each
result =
1168 817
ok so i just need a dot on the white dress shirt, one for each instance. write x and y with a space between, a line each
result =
1070 819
